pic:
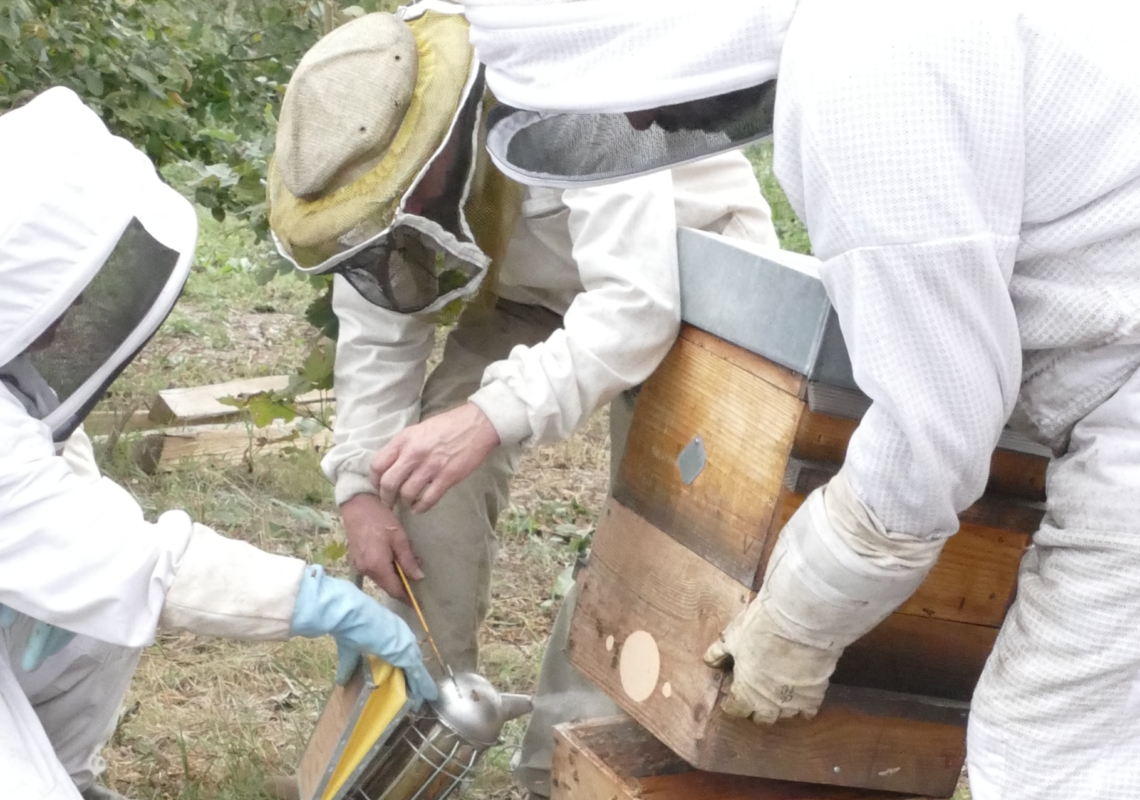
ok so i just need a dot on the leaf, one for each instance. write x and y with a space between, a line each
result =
219 134
333 551
94 83
309 426
310 516
452 279
321 316
264 407
564 582
318 367
565 530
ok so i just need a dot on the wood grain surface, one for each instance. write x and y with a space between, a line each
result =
641 580
617 759
741 407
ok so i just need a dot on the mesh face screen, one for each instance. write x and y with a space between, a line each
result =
407 270
106 314
604 147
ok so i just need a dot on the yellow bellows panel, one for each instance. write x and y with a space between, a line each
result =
381 708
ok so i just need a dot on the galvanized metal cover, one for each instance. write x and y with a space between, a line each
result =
768 301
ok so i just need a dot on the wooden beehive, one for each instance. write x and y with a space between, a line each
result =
677 557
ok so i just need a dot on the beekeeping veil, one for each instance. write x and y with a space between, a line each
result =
698 77
375 174
94 251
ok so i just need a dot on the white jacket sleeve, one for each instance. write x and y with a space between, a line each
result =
614 333
76 552
911 190
381 359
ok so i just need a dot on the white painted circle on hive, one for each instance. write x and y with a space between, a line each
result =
609 643
667 689
640 665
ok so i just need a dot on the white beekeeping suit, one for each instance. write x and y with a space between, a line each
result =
970 177
94 251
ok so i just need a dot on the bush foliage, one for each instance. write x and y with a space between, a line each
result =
194 83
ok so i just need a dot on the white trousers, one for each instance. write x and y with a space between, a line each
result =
55 721
1056 714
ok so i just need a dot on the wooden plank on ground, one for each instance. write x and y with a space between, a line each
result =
197 405
231 444
742 408
648 609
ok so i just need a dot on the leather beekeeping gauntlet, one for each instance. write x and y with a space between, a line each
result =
834 574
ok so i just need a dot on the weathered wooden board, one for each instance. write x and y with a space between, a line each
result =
746 412
197 405
917 655
231 444
821 437
640 579
861 737
341 709
603 758
975 578
648 609
617 759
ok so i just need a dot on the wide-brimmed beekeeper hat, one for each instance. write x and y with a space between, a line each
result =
94 251
375 169
701 76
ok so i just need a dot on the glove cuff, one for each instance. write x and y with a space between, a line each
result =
836 572
228 588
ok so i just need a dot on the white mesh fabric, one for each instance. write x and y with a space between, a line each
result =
623 55
1059 701
970 175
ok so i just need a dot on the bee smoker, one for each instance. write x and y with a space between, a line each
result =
418 755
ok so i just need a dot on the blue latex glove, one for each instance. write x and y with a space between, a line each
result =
45 640
359 624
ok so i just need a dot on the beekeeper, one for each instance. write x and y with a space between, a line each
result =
94 251
379 177
969 174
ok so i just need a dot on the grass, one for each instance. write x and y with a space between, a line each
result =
207 720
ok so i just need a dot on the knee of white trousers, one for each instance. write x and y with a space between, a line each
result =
985 760
77 695
29 768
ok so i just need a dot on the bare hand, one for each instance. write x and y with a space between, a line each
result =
423 461
376 541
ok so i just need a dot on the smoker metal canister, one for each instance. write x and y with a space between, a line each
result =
432 752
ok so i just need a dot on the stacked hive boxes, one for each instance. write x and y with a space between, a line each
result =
751 410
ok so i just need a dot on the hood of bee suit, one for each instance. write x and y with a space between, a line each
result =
567 74
376 155
94 251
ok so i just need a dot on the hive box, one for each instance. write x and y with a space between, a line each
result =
617 759
750 411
